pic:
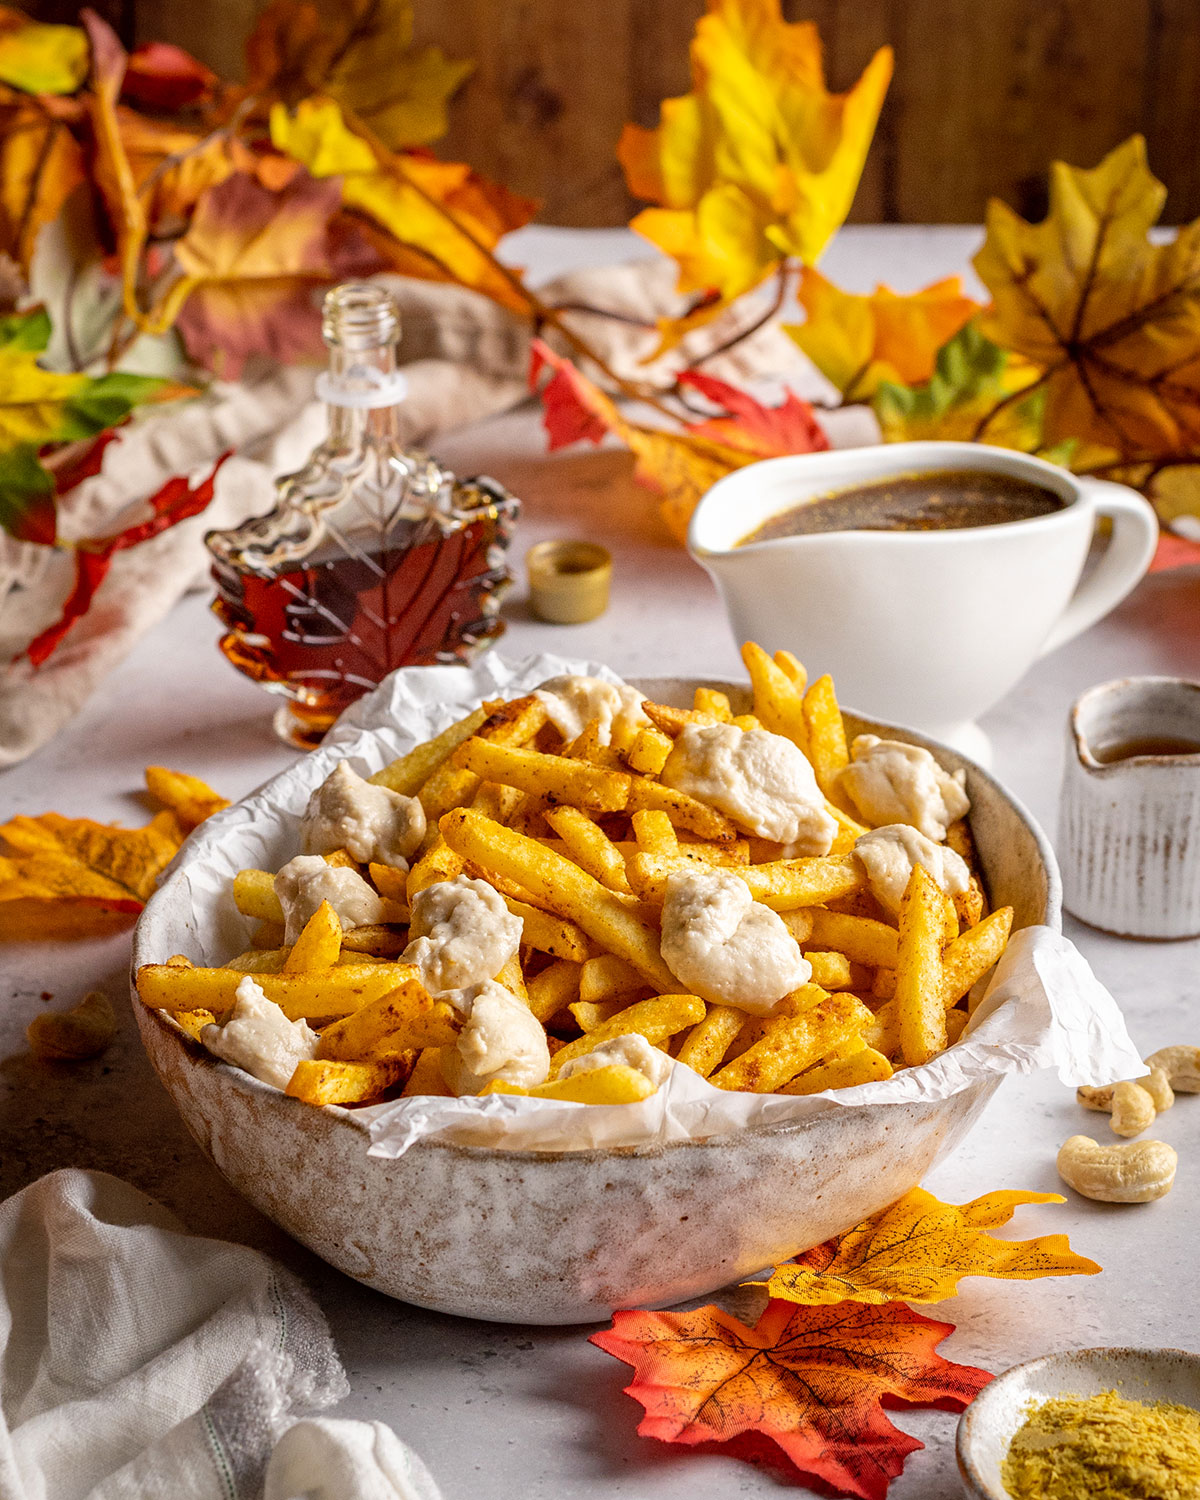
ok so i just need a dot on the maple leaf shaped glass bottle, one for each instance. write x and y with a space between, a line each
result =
374 557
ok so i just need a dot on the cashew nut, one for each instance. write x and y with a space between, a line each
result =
1181 1065
1132 1109
1158 1086
71 1035
1136 1173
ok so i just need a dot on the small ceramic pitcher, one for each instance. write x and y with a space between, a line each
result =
1129 828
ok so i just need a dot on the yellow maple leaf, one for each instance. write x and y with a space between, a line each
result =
40 164
34 403
434 219
41 59
760 161
858 342
361 54
918 1250
1111 321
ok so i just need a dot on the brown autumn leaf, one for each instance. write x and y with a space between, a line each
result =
41 163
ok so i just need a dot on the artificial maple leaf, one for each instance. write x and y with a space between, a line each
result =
176 501
812 1379
433 217
975 384
360 53
918 1249
161 76
72 877
759 162
41 164
1110 321
172 166
859 342
252 260
767 431
41 59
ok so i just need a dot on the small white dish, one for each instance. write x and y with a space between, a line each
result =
988 1425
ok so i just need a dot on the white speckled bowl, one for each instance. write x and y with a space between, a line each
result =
531 1237
988 1425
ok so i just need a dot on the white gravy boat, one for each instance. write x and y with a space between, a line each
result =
922 628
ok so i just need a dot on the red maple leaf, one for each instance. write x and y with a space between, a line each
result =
1174 552
174 502
767 431
812 1379
162 77
570 412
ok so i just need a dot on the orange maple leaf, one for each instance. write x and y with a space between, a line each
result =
918 1249
40 165
812 1379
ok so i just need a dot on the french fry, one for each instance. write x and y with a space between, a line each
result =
655 1019
319 946
572 781
259 961
956 1024
374 940
438 863
648 754
746 721
794 668
254 895
546 932
783 885
655 833
589 1014
705 1046
561 886
883 1032
883 986
390 882
554 989
496 801
969 904
777 704
791 1043
342 859
590 847
590 747
708 853
861 939
605 976
673 721
710 701
617 1084
830 970
407 774
863 1065
426 1076
919 980
849 830
194 1021
319 1082
968 958
509 724
405 1019
336 992
683 810
799 922
189 798
827 748
512 978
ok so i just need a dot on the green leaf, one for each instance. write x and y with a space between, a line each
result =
26 496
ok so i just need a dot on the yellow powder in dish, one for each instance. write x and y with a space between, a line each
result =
1105 1448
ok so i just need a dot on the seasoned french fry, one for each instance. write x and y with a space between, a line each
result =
863 1065
783 885
189 798
259 961
590 747
849 831
515 722
683 810
561 886
654 832
649 751
655 1019
969 904
956 1024
883 1032
591 1014
573 781
512 978
406 1018
710 701
969 957
554 989
374 940
705 1046
194 1021
548 933
799 922
617 1084
342 859
450 785
390 882
919 981
590 847
958 838
336 992
438 863
673 721
605 976
411 771
883 986
826 739
830 970
426 1076
746 721
319 946
794 668
777 704
496 801
346 1082
862 940
791 1043
254 895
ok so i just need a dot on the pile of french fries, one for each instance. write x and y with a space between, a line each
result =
580 839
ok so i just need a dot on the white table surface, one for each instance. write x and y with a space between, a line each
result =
510 1412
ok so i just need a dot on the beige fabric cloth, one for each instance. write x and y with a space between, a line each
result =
465 359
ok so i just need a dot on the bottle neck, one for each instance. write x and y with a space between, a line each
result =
359 370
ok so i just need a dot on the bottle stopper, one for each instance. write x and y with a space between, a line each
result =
568 581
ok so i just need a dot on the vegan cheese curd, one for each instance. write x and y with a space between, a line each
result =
307 880
760 781
501 1040
631 1051
573 702
257 1036
461 934
892 782
891 853
372 822
725 946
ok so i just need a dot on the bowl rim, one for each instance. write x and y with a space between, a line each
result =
966 1442
200 1056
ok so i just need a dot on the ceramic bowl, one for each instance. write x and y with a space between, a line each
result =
538 1237
988 1425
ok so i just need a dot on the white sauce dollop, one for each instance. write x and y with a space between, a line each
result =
632 1051
573 702
372 822
891 853
892 782
725 946
307 880
258 1037
501 1039
760 781
461 934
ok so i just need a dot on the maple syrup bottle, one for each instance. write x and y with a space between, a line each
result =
374 557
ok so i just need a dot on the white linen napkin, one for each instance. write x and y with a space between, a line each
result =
138 1362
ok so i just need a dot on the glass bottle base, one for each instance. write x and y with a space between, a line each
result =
298 730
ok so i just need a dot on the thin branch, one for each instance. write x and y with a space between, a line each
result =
783 275
602 312
1010 400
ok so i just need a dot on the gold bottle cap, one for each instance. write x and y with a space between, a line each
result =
568 581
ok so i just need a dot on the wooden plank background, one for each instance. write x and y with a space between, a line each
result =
986 92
